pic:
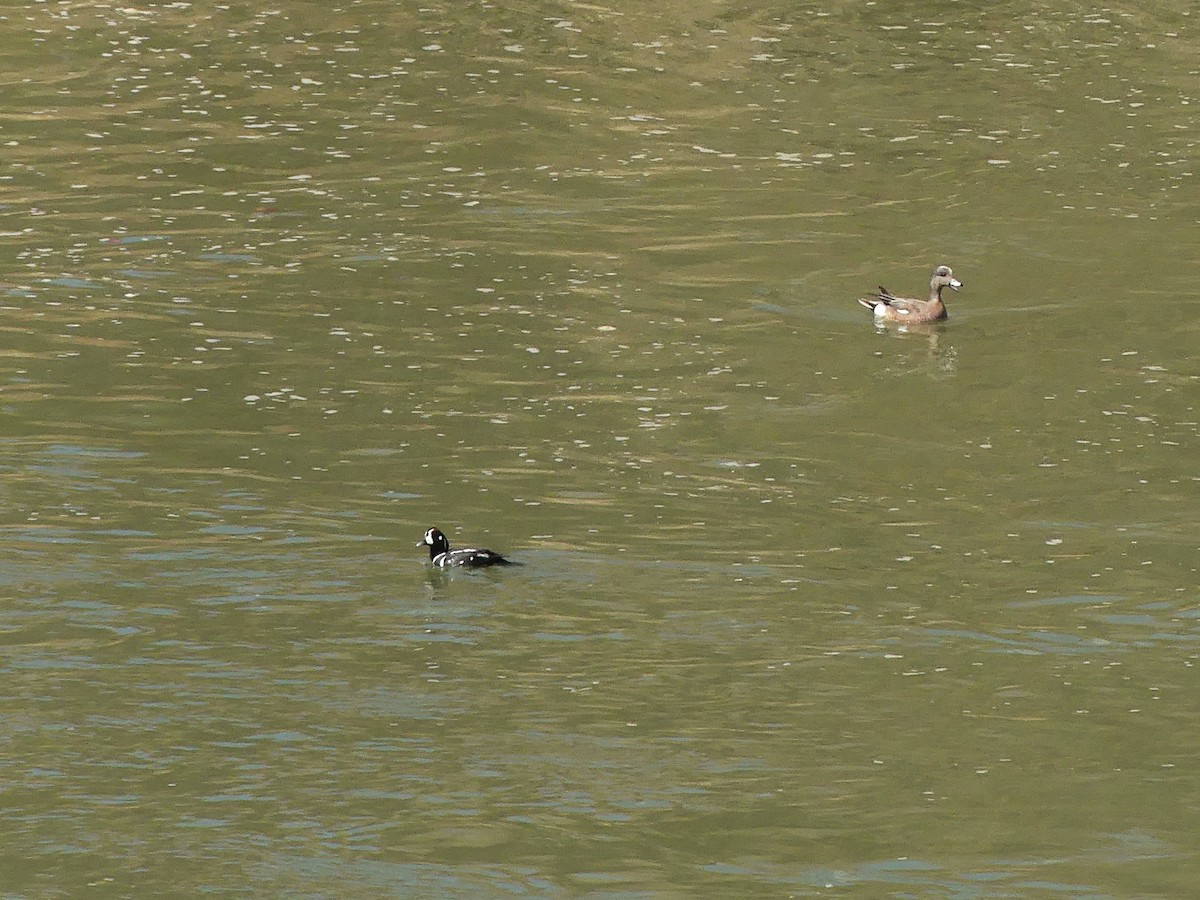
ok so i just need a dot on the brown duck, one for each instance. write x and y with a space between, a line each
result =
890 308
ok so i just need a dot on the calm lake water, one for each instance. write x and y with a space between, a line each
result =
807 608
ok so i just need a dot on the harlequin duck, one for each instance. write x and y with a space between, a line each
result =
441 555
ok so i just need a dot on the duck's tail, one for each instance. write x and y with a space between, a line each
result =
884 296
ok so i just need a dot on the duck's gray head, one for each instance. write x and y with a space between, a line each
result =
944 276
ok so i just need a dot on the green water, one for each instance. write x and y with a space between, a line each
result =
807 608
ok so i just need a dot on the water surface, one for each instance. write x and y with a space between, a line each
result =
807 607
